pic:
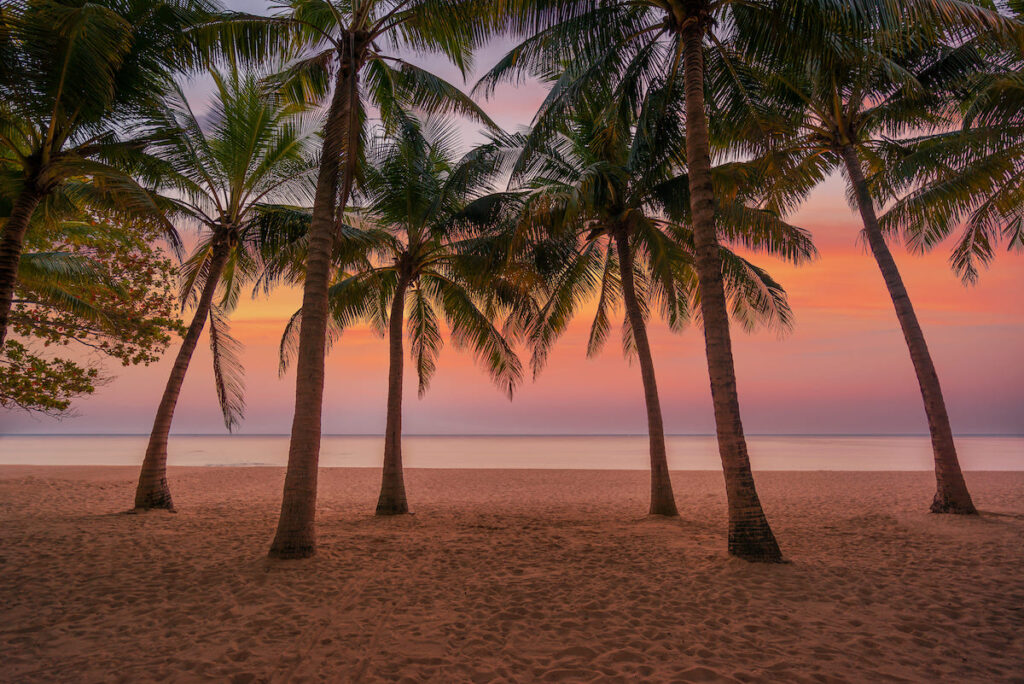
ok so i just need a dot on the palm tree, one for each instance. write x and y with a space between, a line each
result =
627 42
252 150
844 99
345 55
75 75
608 180
421 256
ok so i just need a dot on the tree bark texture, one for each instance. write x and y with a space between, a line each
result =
750 536
662 499
152 490
951 495
392 499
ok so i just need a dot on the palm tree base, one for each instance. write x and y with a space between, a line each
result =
157 498
392 508
666 510
754 543
946 504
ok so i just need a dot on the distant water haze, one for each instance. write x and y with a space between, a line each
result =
571 452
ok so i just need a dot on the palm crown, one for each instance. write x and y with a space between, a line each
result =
237 174
229 175
332 40
412 233
605 170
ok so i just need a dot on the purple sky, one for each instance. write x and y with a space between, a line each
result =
844 369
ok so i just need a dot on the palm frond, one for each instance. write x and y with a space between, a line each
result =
227 369
425 340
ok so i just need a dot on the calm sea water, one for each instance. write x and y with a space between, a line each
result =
587 452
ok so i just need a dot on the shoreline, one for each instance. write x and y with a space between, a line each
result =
496 469
768 454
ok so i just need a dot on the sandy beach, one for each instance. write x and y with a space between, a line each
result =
522 575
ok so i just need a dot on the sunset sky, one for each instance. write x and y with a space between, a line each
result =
843 369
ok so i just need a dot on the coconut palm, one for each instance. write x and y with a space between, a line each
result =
347 62
627 42
844 98
608 179
76 75
422 260
231 169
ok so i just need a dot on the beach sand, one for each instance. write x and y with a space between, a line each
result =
507 575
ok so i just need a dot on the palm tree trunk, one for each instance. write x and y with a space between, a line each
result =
392 499
951 495
750 536
152 490
662 500
296 535
11 247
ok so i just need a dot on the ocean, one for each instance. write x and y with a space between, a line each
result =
597 452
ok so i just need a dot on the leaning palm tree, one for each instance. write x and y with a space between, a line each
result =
232 172
845 98
76 75
608 180
348 63
626 43
421 259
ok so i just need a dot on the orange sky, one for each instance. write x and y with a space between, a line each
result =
844 369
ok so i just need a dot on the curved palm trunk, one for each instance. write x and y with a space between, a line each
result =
392 499
750 536
662 500
951 495
11 247
152 490
296 536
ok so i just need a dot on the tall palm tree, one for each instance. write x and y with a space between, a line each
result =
76 75
250 150
608 178
348 62
844 98
626 42
423 258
